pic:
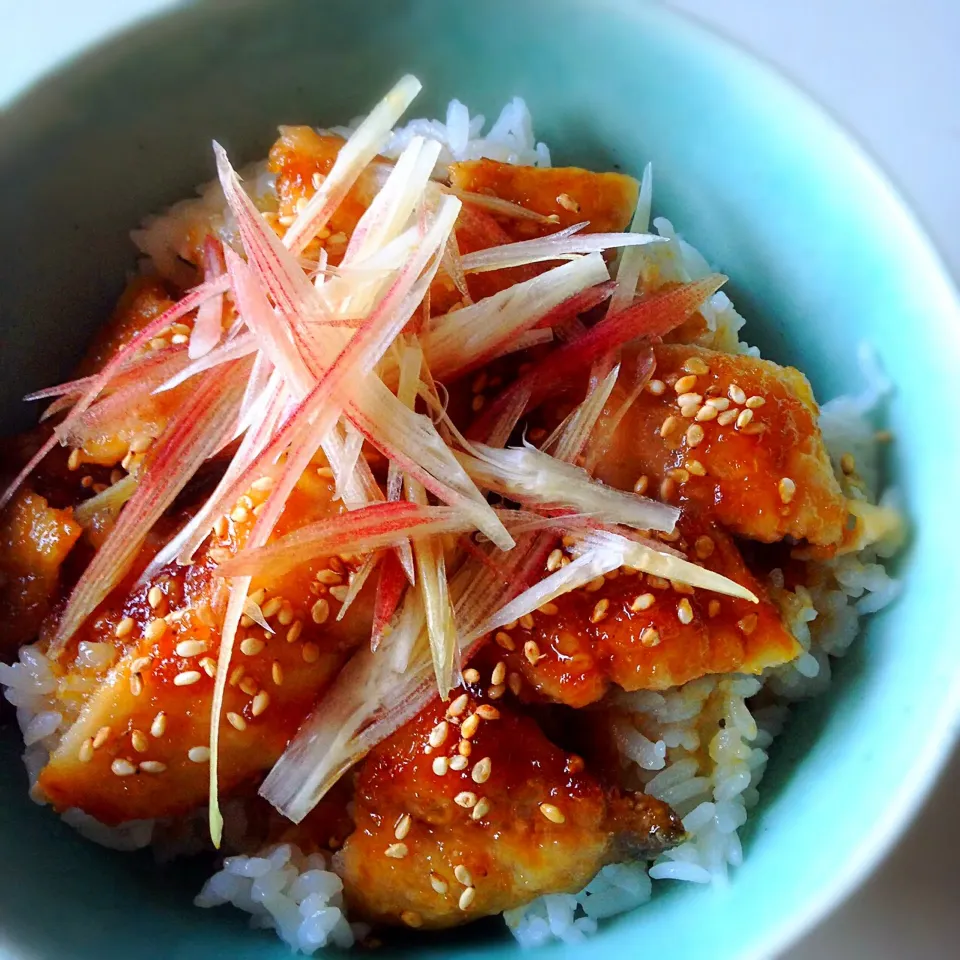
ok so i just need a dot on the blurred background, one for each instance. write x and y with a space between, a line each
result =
889 71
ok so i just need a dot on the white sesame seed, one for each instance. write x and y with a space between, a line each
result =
122 767
190 648
276 673
467 898
140 664
260 703
199 754
236 721
124 628
704 546
554 560
328 577
748 624
402 828
487 712
463 875
526 621
249 686
668 426
85 754
271 607
686 399
440 765
239 514
694 435
481 770
649 637
251 646
209 666
696 468
471 675
457 706
643 602
640 487
552 813
532 652
736 394
310 652
155 629
755 402
469 726
154 597
684 611
340 593
438 883
695 365
743 418
262 484
139 741
718 403
787 489
187 677
459 762
152 766
705 413
101 737
396 851
136 684
466 798
438 734
685 384
600 610
481 809
656 387
728 416
499 673
320 611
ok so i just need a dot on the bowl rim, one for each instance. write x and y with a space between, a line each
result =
57 46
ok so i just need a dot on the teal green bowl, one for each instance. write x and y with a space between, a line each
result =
822 255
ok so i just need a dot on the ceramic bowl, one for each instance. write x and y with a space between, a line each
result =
821 253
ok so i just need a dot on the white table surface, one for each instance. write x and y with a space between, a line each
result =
890 71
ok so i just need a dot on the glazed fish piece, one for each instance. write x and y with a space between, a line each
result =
736 438
642 632
138 746
469 810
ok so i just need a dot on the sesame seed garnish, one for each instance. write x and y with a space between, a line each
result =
457 706
464 748
187 677
328 577
668 488
743 418
704 546
728 416
209 666
249 686
685 384
594 585
600 610
239 514
320 611
285 616
85 753
438 883
658 583
481 809
155 629
713 608
668 426
515 683
459 762
152 766
481 770
236 675
526 621
260 703
690 410
656 387
552 813
532 652
694 434
462 874
236 721
695 365
276 673
681 587
649 637
554 560
499 673
686 399
719 403
642 602
848 464
154 597
101 737
263 484
251 646
467 898
684 611
640 487
440 765
438 734
466 799
748 624
755 402
736 394
293 634
139 664
568 203
705 413
486 712
122 767
396 851
678 474
402 828
496 691
340 593
469 726
787 488
74 461
124 628
220 527
471 675
139 741
199 754
136 684
190 648
271 608
695 468
411 918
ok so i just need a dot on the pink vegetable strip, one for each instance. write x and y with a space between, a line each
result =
653 317
208 325
390 586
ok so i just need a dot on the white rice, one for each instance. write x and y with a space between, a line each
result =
698 747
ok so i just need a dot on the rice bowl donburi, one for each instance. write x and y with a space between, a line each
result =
420 534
